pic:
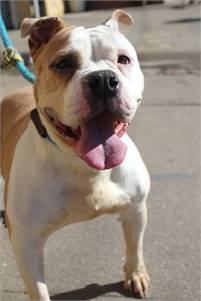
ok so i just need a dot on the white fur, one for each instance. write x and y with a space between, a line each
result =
62 190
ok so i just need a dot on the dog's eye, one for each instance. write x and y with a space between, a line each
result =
123 59
64 65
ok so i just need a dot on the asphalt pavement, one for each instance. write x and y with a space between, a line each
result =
84 261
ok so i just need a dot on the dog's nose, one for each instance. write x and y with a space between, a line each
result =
103 83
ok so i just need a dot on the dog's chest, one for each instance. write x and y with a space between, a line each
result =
74 198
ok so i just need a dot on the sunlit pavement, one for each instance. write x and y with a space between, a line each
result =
84 261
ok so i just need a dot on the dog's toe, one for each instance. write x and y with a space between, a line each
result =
138 284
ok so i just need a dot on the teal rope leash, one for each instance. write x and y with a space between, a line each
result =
10 55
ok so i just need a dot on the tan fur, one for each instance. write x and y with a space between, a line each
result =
15 110
53 85
40 31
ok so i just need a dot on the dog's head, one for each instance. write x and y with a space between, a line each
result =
89 85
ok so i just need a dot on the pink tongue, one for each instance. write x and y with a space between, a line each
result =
99 146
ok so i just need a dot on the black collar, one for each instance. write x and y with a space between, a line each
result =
39 126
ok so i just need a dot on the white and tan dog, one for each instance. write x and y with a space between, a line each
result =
72 160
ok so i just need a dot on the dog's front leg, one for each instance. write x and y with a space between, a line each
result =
133 221
29 259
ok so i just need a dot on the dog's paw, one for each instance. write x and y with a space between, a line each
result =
138 283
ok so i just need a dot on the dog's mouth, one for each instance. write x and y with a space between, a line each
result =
70 135
97 142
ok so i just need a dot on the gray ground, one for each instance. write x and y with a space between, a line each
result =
84 261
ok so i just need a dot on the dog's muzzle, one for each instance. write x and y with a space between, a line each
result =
102 84
97 140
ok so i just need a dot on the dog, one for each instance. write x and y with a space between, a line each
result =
66 156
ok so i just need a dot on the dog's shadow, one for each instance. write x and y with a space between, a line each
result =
93 291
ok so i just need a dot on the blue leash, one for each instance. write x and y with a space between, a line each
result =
11 56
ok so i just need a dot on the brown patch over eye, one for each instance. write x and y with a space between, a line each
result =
67 64
63 65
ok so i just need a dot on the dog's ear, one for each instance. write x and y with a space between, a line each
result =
119 16
40 31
